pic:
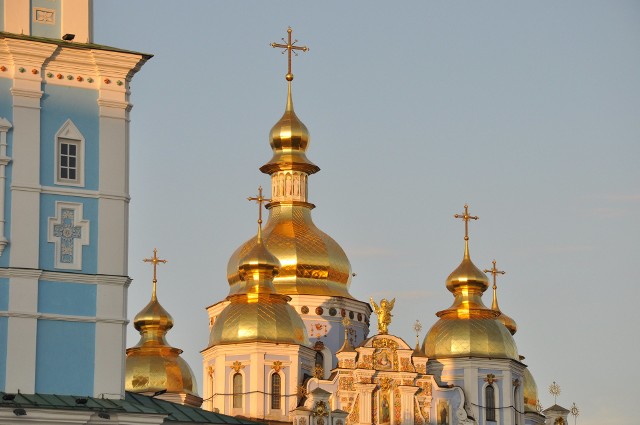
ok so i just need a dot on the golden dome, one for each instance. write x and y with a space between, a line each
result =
256 313
289 141
530 392
153 365
312 263
468 328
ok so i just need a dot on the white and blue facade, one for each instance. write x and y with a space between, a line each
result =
64 199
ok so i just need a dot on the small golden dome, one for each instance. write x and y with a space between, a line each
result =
153 365
289 141
312 263
507 321
256 313
530 392
468 328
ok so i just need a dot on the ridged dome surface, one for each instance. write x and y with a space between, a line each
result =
153 365
530 392
257 313
312 263
469 337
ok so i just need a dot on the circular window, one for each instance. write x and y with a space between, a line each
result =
304 309
319 311
333 311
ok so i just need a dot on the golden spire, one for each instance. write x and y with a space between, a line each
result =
346 345
289 48
506 320
466 217
155 261
259 200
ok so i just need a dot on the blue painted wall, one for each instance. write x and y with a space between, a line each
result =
40 29
81 106
47 250
4 294
75 299
65 354
4 321
6 111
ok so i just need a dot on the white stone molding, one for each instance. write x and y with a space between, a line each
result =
69 232
63 317
5 125
69 131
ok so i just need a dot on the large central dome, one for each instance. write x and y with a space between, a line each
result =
312 263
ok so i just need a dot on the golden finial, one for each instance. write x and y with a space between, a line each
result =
289 47
417 327
495 272
384 314
554 390
154 260
466 217
575 412
259 200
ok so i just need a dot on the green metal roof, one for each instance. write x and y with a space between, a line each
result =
182 413
133 404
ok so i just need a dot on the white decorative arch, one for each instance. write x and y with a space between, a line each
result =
269 386
496 398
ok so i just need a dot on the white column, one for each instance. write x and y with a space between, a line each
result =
364 391
407 403
4 161
507 398
22 330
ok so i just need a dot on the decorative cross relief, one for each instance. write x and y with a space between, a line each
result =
69 232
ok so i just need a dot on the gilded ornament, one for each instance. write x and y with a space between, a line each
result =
290 48
237 366
320 409
490 379
385 383
384 314
318 372
277 365
554 390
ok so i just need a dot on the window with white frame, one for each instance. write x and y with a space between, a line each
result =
237 390
275 391
69 152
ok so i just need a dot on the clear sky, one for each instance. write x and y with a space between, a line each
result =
527 111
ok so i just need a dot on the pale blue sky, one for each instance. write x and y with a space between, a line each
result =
528 111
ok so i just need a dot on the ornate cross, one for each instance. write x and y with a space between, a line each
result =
289 48
417 327
259 200
154 260
67 232
466 217
494 271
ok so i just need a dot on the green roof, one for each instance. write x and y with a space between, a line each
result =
133 404
182 413
72 44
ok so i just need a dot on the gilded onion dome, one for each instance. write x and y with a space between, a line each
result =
153 365
530 392
468 328
312 263
257 313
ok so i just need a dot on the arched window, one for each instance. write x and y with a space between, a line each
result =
237 390
275 391
490 403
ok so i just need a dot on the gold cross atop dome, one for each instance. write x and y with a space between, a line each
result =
494 271
466 217
259 200
155 261
289 47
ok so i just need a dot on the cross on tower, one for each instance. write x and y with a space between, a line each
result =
494 271
259 200
289 48
466 217
154 260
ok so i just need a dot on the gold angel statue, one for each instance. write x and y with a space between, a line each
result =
384 314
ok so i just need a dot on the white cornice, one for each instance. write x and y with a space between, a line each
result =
63 317
122 281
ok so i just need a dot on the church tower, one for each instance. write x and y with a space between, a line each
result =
315 271
64 200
